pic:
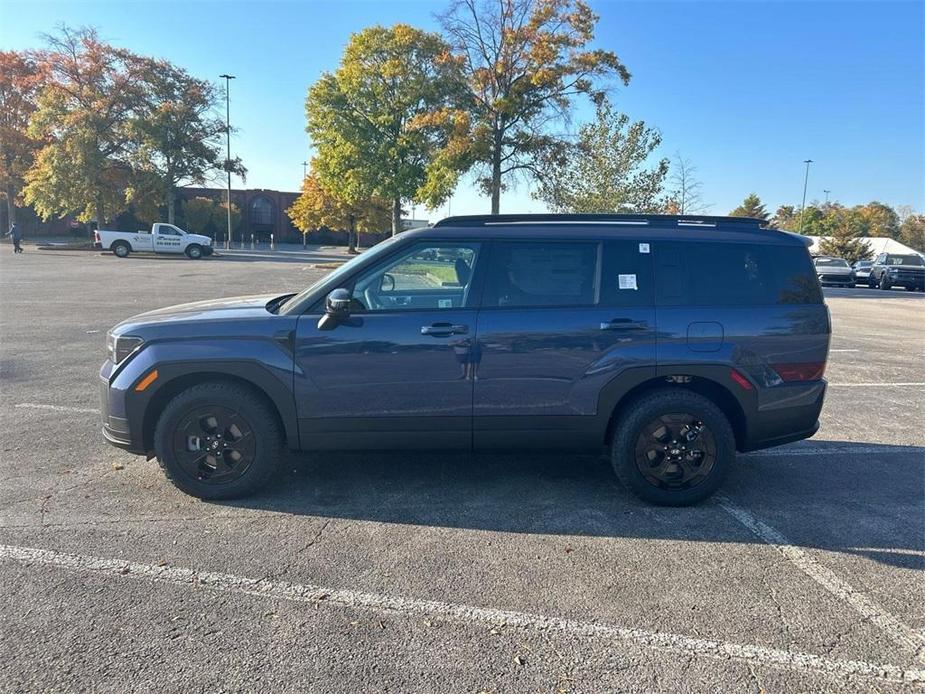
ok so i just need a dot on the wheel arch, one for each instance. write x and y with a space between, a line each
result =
719 394
180 382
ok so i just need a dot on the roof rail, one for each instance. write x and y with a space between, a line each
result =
662 220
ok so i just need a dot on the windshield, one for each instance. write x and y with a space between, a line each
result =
293 305
831 262
904 260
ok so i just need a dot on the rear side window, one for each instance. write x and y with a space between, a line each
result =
717 274
626 274
530 273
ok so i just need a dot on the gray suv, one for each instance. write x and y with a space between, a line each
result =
672 342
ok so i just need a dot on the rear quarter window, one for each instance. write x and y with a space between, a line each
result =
734 274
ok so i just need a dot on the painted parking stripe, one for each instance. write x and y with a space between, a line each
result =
56 408
874 385
828 579
856 449
296 592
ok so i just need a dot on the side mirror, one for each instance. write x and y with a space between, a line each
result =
336 309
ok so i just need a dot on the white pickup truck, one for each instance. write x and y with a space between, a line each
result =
163 238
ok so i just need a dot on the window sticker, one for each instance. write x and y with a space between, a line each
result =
643 248
628 282
444 303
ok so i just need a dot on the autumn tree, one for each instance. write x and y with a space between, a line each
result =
382 122
524 61
605 169
207 215
317 207
844 229
879 219
83 113
20 79
786 217
685 194
912 231
174 134
750 207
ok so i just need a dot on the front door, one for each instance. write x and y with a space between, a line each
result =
397 372
166 239
560 320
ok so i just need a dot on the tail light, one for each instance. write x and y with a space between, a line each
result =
96 237
806 371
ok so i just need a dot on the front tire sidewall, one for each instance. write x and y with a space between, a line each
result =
639 413
194 252
252 408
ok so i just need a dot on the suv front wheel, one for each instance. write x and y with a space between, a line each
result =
218 441
673 447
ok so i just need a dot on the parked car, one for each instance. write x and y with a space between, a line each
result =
897 270
862 271
670 341
163 238
834 271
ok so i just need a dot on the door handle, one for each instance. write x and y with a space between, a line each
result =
624 324
444 329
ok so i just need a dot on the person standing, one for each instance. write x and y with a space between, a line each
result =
16 236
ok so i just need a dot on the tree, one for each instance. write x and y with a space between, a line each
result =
206 215
175 139
604 171
524 61
381 121
912 232
843 238
750 207
685 194
20 78
786 217
880 219
317 207
83 113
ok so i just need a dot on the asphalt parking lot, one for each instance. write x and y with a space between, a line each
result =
446 573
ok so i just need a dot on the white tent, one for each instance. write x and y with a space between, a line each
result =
877 244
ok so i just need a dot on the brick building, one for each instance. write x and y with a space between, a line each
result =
263 212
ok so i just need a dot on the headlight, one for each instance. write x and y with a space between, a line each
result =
120 346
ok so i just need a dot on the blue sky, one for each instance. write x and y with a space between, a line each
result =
746 90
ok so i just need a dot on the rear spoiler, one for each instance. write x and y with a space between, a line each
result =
807 241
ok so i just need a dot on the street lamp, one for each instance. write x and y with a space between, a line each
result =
826 191
805 182
228 79
304 170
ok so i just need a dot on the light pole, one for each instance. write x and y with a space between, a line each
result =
228 79
826 191
805 182
304 170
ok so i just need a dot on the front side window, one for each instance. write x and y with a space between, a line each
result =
167 230
425 277
531 274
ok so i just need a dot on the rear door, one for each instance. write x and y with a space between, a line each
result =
559 320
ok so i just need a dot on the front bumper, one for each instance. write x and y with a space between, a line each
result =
837 279
116 429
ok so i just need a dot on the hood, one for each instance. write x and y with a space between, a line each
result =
214 309
199 238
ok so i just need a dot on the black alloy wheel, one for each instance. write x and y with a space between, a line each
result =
675 451
214 444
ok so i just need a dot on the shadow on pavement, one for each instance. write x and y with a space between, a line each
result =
866 293
863 503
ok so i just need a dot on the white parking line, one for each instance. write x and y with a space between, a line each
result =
844 350
828 579
856 449
56 408
871 385
282 590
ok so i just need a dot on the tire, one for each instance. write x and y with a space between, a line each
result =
259 441
871 282
884 282
194 251
121 249
640 416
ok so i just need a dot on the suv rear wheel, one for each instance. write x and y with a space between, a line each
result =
673 447
218 441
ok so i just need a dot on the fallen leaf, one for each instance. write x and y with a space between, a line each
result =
118 466
519 660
